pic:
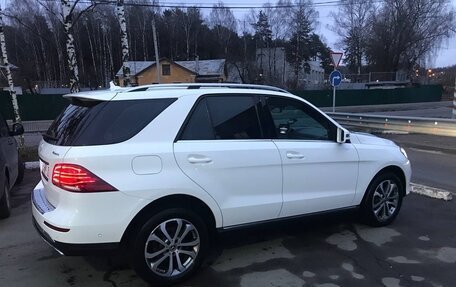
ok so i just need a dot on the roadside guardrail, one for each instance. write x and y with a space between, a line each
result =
432 126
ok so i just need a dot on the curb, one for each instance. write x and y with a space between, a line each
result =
432 192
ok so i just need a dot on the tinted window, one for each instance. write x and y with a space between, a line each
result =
199 125
98 123
3 128
295 120
234 117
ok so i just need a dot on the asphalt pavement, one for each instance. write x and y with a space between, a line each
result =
418 249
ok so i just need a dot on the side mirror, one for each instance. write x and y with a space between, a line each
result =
17 130
343 135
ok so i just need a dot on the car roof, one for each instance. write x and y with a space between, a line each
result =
174 90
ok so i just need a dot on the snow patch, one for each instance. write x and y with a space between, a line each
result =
344 240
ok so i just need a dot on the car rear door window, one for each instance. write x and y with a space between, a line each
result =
85 123
199 124
220 117
234 117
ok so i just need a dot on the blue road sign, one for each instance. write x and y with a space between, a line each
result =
335 78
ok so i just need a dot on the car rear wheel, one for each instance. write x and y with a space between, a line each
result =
169 247
5 203
383 200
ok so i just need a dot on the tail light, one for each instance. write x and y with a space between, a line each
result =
75 178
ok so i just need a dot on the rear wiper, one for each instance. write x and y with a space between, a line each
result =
49 137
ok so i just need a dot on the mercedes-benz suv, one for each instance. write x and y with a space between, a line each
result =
157 170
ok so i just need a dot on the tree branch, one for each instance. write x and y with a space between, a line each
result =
90 7
59 16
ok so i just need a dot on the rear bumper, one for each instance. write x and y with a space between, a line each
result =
76 249
82 224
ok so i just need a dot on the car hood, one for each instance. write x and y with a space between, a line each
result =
369 139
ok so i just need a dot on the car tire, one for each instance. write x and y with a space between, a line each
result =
5 202
20 170
175 233
383 200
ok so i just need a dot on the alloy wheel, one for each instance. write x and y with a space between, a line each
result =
172 247
385 200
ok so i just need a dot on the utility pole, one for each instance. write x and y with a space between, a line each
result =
157 58
17 116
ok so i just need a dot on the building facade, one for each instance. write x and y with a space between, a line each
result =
198 71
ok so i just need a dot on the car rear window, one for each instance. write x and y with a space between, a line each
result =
85 123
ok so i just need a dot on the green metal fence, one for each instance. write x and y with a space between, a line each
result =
47 107
33 107
323 98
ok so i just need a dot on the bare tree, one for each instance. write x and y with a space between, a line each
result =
404 32
224 23
352 24
17 116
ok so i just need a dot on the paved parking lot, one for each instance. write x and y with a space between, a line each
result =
419 249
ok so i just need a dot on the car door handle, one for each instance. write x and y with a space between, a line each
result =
294 155
10 141
198 159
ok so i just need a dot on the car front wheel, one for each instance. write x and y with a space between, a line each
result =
383 200
169 247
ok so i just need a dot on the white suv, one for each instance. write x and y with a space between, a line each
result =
159 169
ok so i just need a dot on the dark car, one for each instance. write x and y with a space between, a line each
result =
11 169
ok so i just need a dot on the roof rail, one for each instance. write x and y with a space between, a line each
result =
201 86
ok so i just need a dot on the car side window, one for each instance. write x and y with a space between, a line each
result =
234 117
199 124
295 120
4 131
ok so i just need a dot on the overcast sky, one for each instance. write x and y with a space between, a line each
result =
446 56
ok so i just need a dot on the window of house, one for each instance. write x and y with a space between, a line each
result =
166 69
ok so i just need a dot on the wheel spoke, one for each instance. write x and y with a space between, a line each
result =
192 254
376 211
180 267
376 205
155 238
155 254
377 194
392 189
188 228
190 244
165 232
178 229
170 266
158 262
387 211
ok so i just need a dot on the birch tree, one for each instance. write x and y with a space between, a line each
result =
71 51
17 116
124 42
